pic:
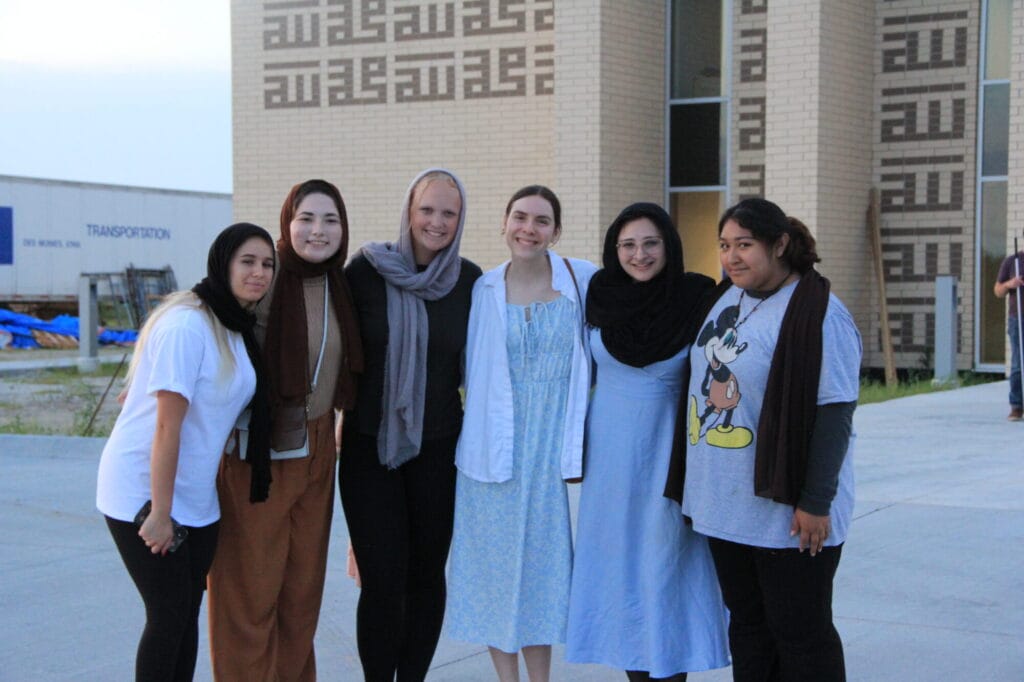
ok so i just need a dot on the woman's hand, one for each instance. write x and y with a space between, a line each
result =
813 530
157 532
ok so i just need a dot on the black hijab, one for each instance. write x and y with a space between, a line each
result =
215 292
645 322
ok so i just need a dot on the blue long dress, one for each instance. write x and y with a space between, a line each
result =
644 591
511 557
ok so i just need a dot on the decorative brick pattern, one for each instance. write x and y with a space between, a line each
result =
940 116
336 30
925 164
571 94
749 96
366 93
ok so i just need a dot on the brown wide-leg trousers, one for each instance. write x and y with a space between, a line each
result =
267 578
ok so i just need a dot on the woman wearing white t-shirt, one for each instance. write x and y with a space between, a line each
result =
195 368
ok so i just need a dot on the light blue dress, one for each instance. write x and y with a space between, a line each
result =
511 557
644 591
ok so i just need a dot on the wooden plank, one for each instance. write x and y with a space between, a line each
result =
874 219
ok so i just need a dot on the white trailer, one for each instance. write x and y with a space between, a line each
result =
52 231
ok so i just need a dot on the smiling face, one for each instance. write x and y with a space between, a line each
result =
751 264
641 250
250 271
316 228
433 218
530 227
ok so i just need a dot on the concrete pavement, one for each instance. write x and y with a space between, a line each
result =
930 587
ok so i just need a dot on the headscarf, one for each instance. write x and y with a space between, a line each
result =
215 291
405 365
645 322
286 348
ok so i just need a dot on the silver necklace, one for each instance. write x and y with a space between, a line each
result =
739 306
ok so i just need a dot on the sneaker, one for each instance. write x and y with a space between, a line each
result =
1016 414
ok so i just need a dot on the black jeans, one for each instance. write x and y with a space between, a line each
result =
400 522
780 612
171 587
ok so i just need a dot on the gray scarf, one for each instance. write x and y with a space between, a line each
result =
405 366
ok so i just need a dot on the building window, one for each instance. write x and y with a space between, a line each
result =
993 148
695 215
696 49
697 126
695 141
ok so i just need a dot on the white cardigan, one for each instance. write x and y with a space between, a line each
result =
485 446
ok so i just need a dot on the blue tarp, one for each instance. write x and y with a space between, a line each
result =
20 326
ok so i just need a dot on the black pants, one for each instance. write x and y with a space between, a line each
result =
171 587
400 522
641 676
780 612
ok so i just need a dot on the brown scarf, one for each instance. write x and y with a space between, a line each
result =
287 345
791 394
790 403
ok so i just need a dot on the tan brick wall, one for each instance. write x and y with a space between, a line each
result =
598 140
845 153
793 109
610 108
818 127
372 150
632 106
577 145
926 62
825 102
749 99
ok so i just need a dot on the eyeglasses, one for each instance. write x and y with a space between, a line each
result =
648 245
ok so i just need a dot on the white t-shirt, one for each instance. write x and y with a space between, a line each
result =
729 365
180 355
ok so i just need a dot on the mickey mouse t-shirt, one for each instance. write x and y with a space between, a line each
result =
729 365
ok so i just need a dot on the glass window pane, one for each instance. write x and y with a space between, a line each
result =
996 130
695 145
696 48
992 343
997 39
695 215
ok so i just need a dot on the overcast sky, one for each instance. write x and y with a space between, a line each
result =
132 92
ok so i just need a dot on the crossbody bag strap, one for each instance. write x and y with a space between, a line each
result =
579 297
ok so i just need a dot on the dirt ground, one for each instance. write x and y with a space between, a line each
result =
57 401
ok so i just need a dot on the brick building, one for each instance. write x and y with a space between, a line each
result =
692 104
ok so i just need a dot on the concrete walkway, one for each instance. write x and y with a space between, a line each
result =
931 585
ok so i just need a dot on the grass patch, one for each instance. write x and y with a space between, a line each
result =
63 375
23 427
873 390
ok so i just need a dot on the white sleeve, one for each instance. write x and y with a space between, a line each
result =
175 352
840 356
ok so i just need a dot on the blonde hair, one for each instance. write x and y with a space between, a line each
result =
184 299
424 182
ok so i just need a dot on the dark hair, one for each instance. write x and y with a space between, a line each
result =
767 222
661 220
542 192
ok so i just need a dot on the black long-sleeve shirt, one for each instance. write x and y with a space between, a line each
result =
447 318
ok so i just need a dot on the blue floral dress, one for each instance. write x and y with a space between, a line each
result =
511 558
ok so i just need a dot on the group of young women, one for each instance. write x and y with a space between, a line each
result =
710 520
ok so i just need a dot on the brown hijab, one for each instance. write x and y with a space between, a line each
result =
287 348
